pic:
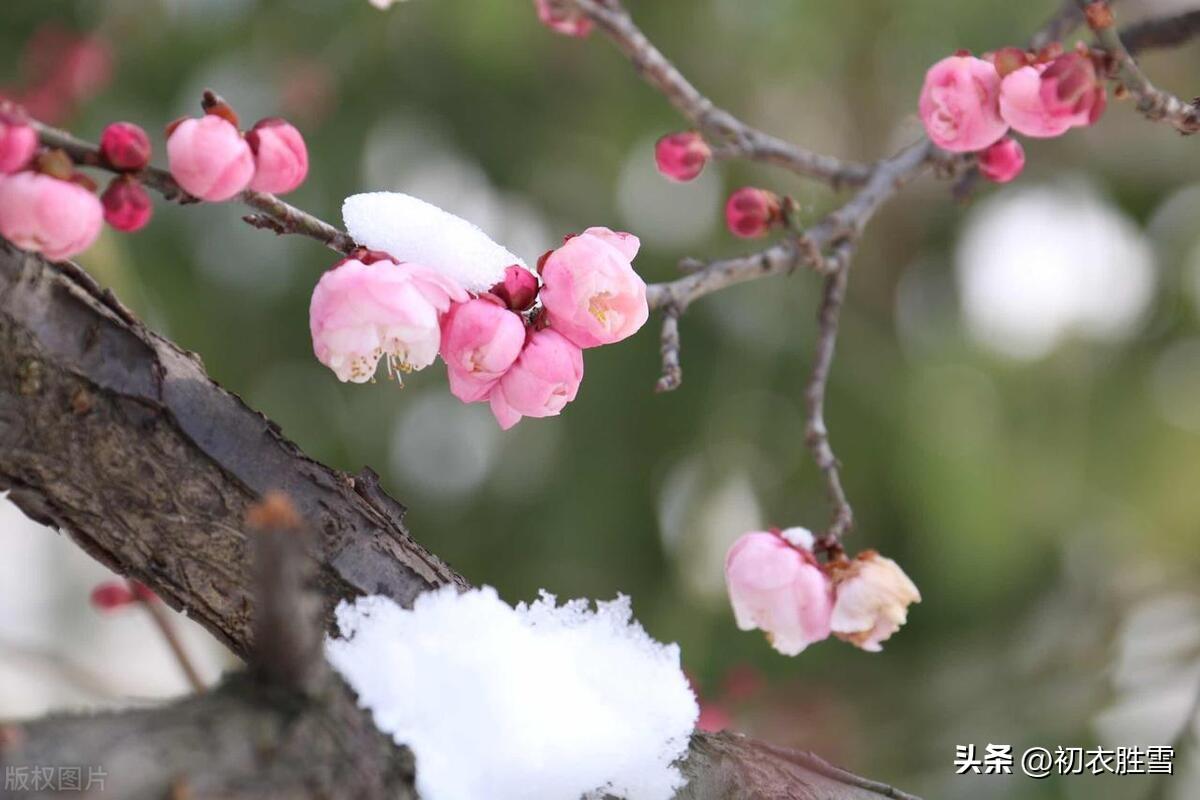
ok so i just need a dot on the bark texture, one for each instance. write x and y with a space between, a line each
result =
116 436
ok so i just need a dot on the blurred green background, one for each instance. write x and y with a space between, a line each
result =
1016 398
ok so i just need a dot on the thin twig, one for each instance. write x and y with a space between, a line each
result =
730 137
1161 32
672 372
166 627
1154 103
288 218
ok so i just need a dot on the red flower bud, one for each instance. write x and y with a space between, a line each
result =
681 156
519 288
751 212
111 595
127 205
1003 161
125 146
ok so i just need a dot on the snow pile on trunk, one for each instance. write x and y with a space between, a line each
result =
540 702
411 229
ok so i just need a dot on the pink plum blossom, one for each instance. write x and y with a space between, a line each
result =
125 146
519 288
280 156
46 215
873 595
959 104
778 588
1003 161
210 158
1045 100
362 312
559 17
591 293
681 156
18 142
750 212
480 340
127 205
544 378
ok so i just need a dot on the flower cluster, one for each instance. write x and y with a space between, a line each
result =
517 346
968 104
212 159
777 585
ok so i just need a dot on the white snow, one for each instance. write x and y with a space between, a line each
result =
540 702
411 229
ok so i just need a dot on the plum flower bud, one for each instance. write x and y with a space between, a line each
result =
280 156
125 146
209 158
681 156
18 142
363 312
1003 161
873 595
544 378
959 104
480 340
750 212
127 205
556 16
46 215
519 288
779 589
591 293
111 595
1045 100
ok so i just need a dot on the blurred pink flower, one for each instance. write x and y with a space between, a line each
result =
480 340
363 312
959 104
209 158
591 293
750 212
46 215
544 378
873 595
562 19
18 142
1045 100
280 156
779 589
1003 161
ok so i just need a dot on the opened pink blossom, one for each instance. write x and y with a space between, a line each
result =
873 596
480 340
544 378
209 158
46 215
779 589
591 292
280 156
1046 100
960 104
361 313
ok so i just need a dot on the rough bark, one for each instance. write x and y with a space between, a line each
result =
114 435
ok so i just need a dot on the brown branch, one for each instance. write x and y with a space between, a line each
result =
153 477
1161 32
1154 103
166 628
729 136
284 218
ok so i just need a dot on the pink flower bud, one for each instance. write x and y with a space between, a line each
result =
959 104
46 215
209 158
18 142
750 212
111 595
1003 161
125 146
544 378
779 589
480 340
591 294
127 205
568 21
873 596
681 156
519 288
1045 100
362 312
280 156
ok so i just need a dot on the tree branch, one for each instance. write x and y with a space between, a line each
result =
153 475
